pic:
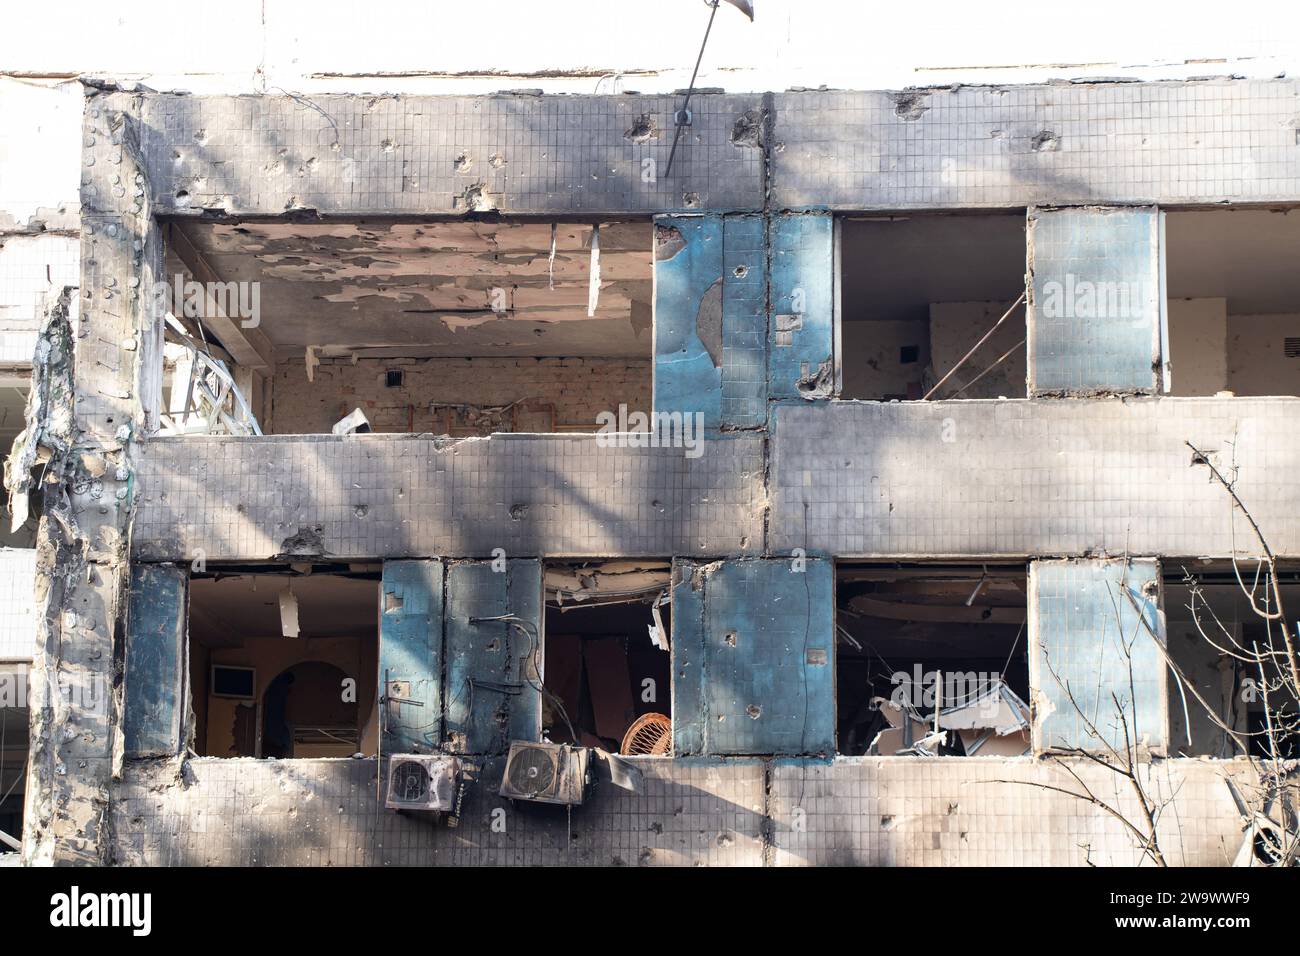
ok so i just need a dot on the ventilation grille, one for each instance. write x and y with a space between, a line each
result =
1291 345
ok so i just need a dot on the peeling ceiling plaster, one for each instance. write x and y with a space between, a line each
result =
427 288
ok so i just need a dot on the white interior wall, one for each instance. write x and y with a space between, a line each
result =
1257 361
956 326
1198 346
871 359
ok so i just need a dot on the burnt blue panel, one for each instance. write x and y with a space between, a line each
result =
1095 300
801 343
410 655
1089 643
157 610
688 316
492 694
744 321
753 657
711 318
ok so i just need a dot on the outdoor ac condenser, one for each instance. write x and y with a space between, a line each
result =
422 782
546 773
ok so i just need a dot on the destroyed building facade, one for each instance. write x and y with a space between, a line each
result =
840 471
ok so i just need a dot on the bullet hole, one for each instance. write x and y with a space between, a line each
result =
910 106
729 639
518 512
387 146
496 160
691 200
747 131
754 711
462 163
1046 141
740 272
642 130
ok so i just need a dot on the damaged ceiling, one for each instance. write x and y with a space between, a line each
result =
228 609
384 288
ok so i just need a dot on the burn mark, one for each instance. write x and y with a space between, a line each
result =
307 542
748 130
911 105
1045 141
644 129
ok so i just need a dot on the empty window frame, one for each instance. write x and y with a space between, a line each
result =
1233 301
458 327
284 663
1220 646
606 665
917 293
931 660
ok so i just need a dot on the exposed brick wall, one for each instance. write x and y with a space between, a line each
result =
576 389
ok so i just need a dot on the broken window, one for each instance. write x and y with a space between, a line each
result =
284 662
932 660
924 296
606 662
457 328
1228 699
1233 301
13 753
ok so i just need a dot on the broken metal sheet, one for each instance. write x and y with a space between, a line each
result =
711 318
1096 314
492 625
1088 643
752 657
801 350
49 412
210 403
994 707
410 656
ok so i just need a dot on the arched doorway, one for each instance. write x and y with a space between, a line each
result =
306 712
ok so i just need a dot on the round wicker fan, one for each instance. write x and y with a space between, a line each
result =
650 734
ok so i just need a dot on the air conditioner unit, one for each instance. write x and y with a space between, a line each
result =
422 782
545 773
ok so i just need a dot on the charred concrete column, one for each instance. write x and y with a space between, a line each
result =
82 564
